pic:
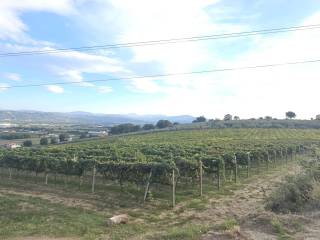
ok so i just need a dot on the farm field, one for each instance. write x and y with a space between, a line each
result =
173 185
35 141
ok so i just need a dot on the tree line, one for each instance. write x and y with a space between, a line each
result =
129 127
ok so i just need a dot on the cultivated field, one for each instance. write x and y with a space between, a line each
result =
173 185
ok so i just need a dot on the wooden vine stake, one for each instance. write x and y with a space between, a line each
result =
147 187
80 181
47 175
235 169
10 173
93 177
173 189
201 172
248 164
219 178
268 158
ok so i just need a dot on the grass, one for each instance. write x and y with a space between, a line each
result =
22 216
227 225
281 231
189 231
28 216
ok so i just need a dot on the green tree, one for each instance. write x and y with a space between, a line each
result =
164 124
63 137
54 140
27 143
200 119
125 128
290 114
148 126
227 117
44 141
83 135
236 118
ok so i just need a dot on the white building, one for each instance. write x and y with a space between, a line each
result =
98 133
12 145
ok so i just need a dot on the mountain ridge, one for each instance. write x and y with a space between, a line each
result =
80 117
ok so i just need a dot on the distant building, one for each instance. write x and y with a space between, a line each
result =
12 145
98 133
53 135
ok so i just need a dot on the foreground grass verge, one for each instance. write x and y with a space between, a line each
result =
27 216
31 216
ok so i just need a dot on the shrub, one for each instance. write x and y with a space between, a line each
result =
27 143
293 195
44 141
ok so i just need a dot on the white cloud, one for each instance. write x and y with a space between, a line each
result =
272 91
247 92
104 89
145 85
55 89
72 65
13 76
75 76
11 25
3 87
164 20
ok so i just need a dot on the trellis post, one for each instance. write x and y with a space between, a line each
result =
201 172
47 178
173 189
147 187
248 164
235 169
93 178
218 175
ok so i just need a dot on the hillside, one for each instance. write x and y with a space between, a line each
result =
8 116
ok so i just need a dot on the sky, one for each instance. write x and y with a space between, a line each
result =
31 25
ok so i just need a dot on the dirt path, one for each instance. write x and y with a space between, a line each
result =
311 230
51 197
42 238
244 203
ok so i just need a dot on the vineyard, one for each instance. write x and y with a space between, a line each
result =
194 157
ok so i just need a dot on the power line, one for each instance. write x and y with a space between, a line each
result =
164 41
168 74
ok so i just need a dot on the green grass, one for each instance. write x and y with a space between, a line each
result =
28 216
189 231
228 224
31 216
281 231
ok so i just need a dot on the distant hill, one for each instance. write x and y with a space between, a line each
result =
8 116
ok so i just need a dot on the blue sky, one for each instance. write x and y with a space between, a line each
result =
45 24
